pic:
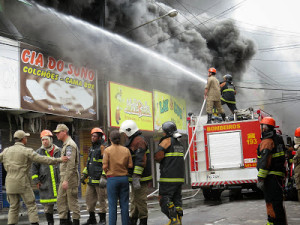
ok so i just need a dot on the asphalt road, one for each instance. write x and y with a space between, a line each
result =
249 210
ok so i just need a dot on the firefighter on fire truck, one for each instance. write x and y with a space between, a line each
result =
296 160
228 93
271 171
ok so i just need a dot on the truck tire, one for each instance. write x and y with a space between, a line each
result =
211 194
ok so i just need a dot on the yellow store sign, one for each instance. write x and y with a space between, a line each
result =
127 103
169 108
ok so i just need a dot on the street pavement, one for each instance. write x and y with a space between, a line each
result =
248 210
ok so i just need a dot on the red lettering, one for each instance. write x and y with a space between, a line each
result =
91 75
77 72
60 65
70 71
51 63
83 72
39 61
32 58
25 56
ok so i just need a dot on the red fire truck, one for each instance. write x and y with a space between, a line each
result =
223 155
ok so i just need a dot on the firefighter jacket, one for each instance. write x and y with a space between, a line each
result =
47 175
296 161
170 155
140 157
228 92
270 156
69 170
213 89
93 169
17 161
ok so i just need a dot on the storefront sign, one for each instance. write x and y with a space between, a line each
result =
127 103
169 108
9 74
51 85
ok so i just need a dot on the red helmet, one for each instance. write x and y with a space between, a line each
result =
96 130
46 133
212 70
297 132
268 121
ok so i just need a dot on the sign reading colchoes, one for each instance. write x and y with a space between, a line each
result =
54 86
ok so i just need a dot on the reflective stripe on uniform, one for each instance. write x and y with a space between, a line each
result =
85 171
229 89
174 154
138 170
277 173
95 181
52 177
97 160
224 100
162 179
34 176
263 173
48 200
278 154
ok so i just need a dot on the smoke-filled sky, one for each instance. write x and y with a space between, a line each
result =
248 39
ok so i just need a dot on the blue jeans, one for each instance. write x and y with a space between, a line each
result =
118 189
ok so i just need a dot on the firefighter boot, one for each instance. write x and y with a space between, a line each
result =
69 221
143 221
63 222
223 116
132 221
102 218
49 218
209 118
173 215
180 214
91 220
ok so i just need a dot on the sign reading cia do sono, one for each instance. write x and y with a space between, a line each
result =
54 86
128 103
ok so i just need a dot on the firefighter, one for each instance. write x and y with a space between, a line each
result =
212 94
17 161
46 177
228 93
296 160
93 171
271 171
170 155
67 197
140 174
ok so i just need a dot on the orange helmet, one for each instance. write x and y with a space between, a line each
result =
212 70
268 121
297 132
96 130
46 133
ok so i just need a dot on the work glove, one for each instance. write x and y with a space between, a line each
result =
103 182
260 185
82 180
136 184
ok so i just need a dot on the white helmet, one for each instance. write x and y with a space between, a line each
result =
128 127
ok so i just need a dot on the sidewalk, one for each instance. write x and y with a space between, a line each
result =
186 193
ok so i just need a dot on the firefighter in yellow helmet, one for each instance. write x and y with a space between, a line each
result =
296 160
93 172
17 161
212 94
46 177
271 171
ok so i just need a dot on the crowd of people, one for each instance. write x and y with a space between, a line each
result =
109 172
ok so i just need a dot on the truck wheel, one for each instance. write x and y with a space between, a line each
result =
211 194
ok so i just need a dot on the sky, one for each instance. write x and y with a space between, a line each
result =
273 25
